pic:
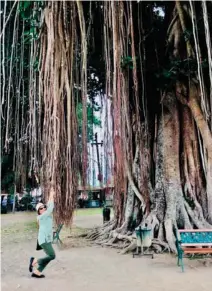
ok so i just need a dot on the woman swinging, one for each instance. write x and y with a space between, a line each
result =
45 236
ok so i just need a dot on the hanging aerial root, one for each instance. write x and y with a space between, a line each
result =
196 216
60 148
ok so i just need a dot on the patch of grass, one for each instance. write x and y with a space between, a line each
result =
31 225
19 231
27 226
72 231
73 237
87 211
23 226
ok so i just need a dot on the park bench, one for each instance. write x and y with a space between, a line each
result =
56 234
193 241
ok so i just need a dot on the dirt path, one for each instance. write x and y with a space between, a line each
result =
91 268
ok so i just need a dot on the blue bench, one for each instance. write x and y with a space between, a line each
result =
193 241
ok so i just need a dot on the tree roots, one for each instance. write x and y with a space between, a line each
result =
162 235
110 236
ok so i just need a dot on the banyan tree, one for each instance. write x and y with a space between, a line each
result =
153 60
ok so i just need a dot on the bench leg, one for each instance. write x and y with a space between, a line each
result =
56 240
182 265
59 240
180 259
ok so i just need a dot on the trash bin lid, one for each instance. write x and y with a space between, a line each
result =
146 229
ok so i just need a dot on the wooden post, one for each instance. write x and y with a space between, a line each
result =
96 143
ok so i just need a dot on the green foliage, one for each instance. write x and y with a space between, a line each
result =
96 81
7 174
26 200
27 30
11 190
178 69
23 8
7 180
91 118
127 62
30 13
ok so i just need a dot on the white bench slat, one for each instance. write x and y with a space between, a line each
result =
196 244
195 230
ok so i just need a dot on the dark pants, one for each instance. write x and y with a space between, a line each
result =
43 262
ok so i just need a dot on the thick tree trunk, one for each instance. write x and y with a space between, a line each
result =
168 200
192 176
181 190
172 182
207 141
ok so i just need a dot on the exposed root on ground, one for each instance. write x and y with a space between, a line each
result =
110 236
162 235
129 248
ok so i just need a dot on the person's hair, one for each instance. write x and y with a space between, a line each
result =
44 206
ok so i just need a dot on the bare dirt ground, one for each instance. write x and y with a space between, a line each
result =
81 266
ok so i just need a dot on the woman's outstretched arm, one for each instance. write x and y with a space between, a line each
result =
50 204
